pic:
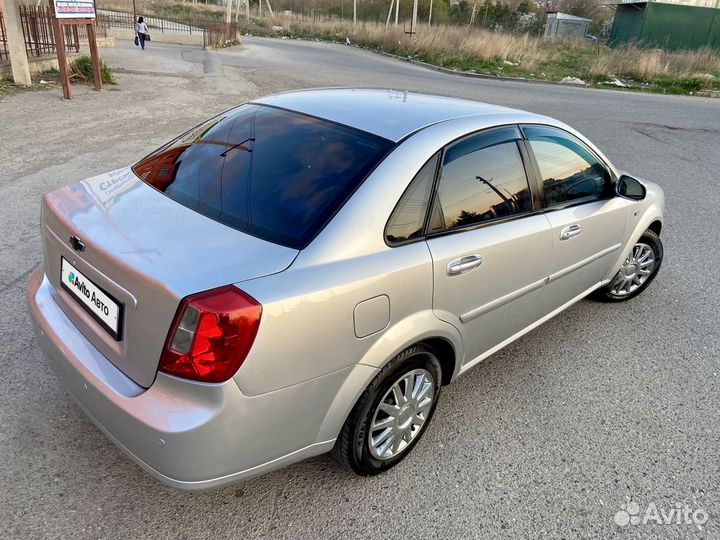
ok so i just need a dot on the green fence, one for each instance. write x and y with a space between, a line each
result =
666 26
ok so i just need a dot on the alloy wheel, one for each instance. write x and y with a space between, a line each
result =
635 271
401 414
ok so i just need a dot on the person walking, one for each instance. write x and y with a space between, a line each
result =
141 33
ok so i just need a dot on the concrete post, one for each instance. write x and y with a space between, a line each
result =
16 44
413 24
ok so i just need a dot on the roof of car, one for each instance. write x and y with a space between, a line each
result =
392 114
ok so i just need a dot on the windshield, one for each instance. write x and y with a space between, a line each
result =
271 173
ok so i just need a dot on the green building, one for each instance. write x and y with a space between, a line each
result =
667 26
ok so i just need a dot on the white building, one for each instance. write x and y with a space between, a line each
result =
564 25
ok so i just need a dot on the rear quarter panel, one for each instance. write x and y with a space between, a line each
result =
307 327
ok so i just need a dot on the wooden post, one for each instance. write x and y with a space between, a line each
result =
58 29
62 58
94 54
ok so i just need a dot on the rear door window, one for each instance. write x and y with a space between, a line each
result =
482 179
271 173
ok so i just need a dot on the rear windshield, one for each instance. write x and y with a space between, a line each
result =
271 173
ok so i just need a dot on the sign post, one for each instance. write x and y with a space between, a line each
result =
68 13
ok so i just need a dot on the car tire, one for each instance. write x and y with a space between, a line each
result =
360 444
629 282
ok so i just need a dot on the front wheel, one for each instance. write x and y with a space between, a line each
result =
392 413
637 272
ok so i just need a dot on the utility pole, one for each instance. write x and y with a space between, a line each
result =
354 12
392 3
16 44
397 11
430 15
413 24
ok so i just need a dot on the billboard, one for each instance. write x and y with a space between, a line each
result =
74 9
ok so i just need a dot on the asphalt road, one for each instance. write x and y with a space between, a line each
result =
547 438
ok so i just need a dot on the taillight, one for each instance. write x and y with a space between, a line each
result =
211 335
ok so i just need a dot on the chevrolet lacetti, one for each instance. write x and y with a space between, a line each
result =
303 273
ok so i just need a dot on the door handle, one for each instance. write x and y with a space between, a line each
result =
570 231
464 264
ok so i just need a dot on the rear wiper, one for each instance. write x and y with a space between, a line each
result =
238 145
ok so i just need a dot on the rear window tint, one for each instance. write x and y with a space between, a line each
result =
271 173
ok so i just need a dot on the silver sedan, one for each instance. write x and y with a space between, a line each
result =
305 272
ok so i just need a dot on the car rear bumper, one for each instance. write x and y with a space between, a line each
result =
189 435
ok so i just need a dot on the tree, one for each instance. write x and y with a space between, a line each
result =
590 9
460 13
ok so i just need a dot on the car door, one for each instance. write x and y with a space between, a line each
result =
489 241
587 220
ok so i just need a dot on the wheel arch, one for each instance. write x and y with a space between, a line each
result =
652 219
442 337
445 351
656 226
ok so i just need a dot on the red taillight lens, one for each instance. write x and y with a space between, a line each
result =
211 335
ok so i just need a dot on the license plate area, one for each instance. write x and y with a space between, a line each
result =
94 300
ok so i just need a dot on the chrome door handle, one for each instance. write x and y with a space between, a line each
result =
570 231
464 264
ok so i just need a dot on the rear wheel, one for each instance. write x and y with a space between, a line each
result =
637 272
392 413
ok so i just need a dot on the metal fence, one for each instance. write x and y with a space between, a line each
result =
4 56
39 37
214 32
220 32
117 19
38 32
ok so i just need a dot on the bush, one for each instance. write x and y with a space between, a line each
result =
82 68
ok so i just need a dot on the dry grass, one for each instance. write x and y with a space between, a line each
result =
439 43
649 64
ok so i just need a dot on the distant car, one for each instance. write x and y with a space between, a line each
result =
303 273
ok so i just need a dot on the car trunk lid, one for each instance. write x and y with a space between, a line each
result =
146 252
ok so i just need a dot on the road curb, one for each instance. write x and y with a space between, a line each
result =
470 74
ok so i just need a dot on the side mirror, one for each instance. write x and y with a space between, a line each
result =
630 188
